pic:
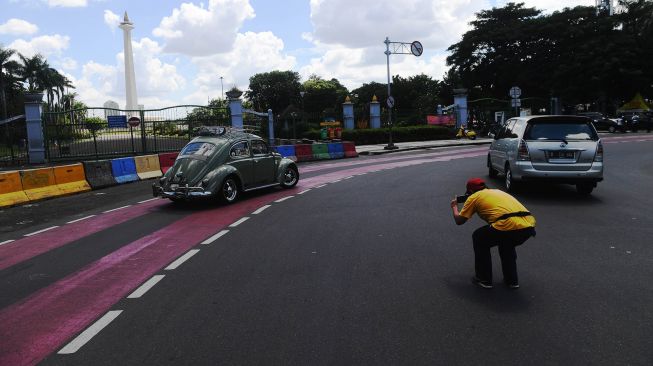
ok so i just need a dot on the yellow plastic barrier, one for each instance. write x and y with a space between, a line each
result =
11 189
147 166
71 178
39 183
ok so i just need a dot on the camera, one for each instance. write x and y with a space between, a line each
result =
462 199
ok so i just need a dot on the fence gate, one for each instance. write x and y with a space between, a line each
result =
13 142
96 133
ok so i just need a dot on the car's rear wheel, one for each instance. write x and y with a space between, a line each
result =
509 182
585 188
290 177
491 171
612 129
229 190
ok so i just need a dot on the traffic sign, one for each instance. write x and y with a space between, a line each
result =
515 92
117 121
134 121
391 101
516 102
416 48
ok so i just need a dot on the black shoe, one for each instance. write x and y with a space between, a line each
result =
512 286
484 284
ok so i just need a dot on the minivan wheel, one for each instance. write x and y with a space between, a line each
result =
229 190
510 183
585 188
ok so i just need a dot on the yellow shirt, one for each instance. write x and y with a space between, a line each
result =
490 204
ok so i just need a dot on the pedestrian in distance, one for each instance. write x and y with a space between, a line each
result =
509 224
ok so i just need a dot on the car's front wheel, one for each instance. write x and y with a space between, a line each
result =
612 129
229 190
290 177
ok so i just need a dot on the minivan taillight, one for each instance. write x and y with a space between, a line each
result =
522 152
599 152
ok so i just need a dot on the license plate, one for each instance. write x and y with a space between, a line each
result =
561 155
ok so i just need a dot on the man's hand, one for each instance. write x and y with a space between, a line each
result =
454 202
456 216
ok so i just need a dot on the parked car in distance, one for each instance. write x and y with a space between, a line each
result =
637 120
221 163
602 123
556 149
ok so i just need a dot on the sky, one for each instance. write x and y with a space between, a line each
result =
183 49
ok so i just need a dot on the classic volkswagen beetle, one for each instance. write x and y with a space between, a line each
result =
220 163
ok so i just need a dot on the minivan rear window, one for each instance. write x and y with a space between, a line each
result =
544 130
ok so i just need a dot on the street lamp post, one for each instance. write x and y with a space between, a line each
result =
301 94
293 115
222 87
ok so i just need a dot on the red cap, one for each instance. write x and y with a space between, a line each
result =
475 184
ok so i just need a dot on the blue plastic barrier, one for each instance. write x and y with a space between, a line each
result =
124 170
287 151
336 150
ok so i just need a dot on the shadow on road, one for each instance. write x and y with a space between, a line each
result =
500 299
552 193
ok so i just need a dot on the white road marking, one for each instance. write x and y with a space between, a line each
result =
320 186
214 237
302 192
6 241
349 177
283 199
261 210
145 287
182 259
40 231
78 220
243 219
89 333
151 199
336 181
116 209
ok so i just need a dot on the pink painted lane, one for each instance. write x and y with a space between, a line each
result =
630 138
340 163
43 322
29 247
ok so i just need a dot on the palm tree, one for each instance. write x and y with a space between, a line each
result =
8 71
33 72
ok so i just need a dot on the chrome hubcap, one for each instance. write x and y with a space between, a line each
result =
229 190
289 176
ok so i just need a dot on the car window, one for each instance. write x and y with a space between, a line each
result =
239 150
198 149
259 147
506 131
543 130
518 128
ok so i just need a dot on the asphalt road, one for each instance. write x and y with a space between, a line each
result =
363 265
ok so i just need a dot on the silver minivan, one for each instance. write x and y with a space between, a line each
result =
558 149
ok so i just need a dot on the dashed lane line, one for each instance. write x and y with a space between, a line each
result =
145 287
215 237
82 219
283 199
304 191
89 333
321 185
261 210
43 230
240 221
6 241
181 259
151 199
116 209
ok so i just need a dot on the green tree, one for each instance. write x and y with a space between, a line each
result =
274 90
322 95
9 80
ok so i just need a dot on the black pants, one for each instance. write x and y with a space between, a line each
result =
485 238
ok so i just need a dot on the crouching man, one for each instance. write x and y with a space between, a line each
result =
509 225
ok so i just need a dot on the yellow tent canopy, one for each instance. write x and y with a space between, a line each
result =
636 103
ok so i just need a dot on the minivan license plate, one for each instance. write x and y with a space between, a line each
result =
561 155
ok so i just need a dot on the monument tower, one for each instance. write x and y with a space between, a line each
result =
130 77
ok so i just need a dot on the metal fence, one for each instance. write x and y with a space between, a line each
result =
104 133
13 142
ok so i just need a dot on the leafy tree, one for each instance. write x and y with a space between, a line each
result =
323 94
9 80
274 90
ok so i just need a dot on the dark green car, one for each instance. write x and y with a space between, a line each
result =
222 162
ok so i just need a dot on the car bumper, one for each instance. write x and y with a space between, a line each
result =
525 172
183 192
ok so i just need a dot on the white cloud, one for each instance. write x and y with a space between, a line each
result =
551 5
68 64
198 31
67 3
18 27
111 19
45 45
252 53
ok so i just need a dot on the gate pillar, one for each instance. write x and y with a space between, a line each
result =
460 101
375 113
35 143
271 126
236 108
348 113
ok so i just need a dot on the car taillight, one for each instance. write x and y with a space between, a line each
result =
599 152
522 152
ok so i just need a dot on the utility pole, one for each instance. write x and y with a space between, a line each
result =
221 87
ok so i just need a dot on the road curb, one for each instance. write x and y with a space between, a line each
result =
410 148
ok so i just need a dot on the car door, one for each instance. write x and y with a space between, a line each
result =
240 158
501 150
263 163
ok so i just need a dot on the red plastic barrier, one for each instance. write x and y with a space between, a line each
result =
304 152
166 160
350 149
